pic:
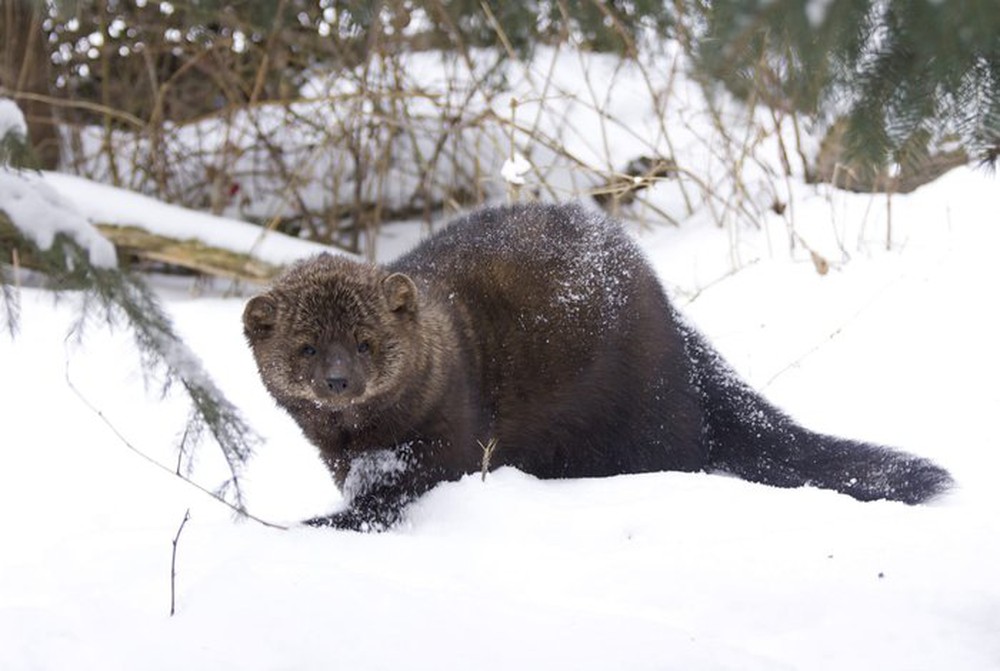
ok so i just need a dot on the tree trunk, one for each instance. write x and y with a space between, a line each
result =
24 68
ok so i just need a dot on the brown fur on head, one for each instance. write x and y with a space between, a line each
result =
332 334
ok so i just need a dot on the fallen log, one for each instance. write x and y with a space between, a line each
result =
190 254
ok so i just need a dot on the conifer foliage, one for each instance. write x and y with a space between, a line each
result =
902 73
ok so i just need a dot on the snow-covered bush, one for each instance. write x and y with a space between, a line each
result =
410 134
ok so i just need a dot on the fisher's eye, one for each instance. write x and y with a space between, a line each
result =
364 347
307 350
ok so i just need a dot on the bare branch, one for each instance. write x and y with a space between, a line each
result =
173 560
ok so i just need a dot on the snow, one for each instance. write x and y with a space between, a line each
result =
109 205
816 11
649 571
653 571
370 469
514 169
11 119
41 213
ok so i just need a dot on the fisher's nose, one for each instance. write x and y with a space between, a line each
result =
337 385
335 374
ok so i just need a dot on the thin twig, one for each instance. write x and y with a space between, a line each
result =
835 333
131 119
488 449
173 560
125 441
180 450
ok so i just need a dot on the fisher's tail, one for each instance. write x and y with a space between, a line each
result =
748 437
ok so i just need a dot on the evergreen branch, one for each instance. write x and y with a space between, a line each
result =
160 347
113 297
240 511
16 151
900 72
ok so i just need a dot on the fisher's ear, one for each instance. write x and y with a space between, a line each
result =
400 293
259 317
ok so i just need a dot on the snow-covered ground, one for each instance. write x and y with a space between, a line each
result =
656 571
